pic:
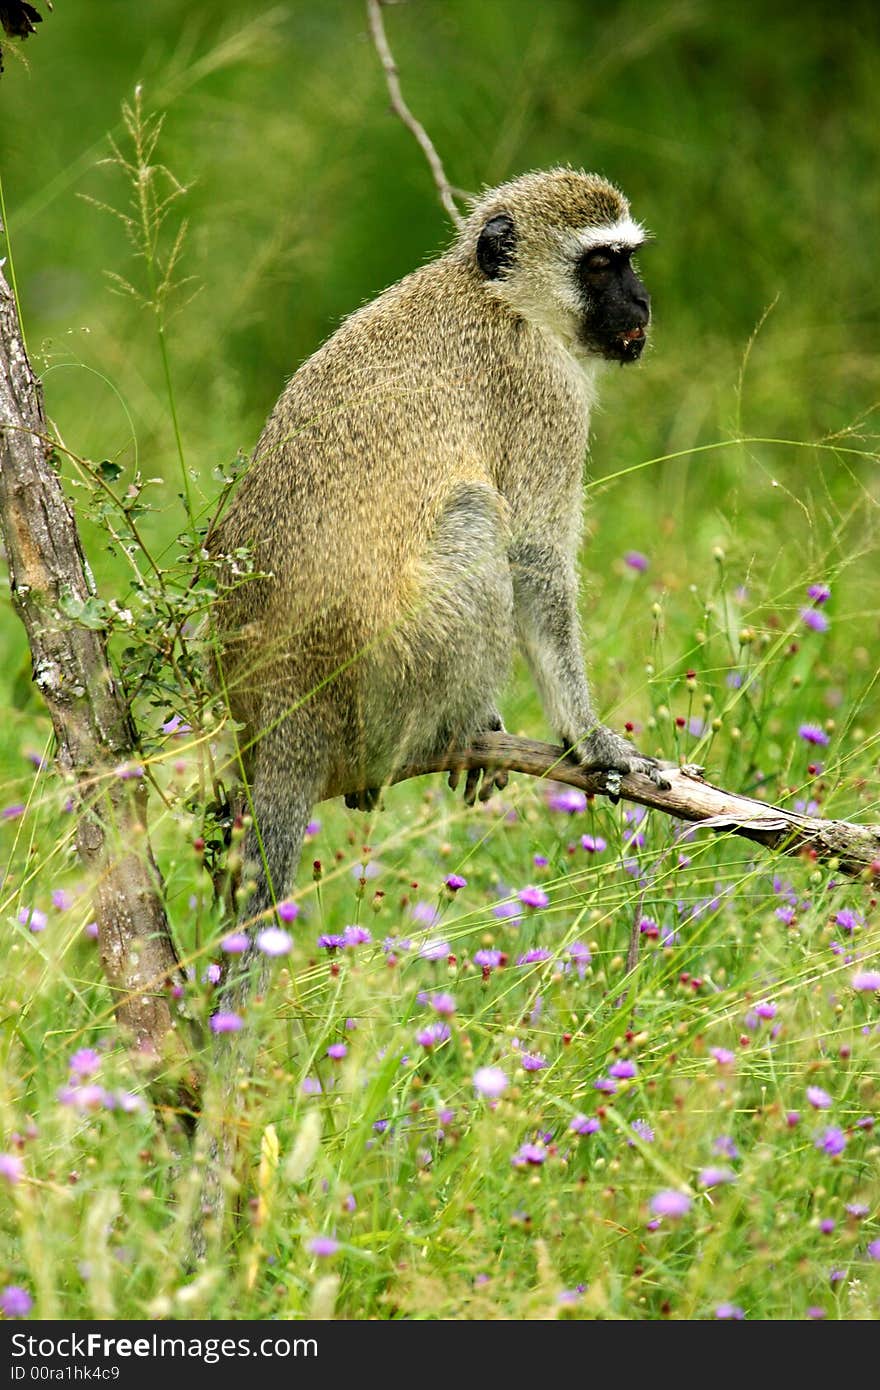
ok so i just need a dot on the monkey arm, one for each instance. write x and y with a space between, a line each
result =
545 604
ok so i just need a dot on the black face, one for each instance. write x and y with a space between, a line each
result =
617 307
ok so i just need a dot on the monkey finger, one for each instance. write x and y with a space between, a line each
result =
470 786
454 777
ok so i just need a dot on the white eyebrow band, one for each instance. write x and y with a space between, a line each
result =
617 235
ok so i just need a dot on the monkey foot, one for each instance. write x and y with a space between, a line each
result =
365 800
493 779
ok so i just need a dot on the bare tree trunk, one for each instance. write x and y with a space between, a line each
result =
850 848
93 729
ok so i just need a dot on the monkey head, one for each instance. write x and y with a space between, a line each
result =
557 247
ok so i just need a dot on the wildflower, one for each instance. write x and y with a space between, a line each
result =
585 1124
765 1009
336 1051
273 941
866 979
849 920
432 1034
725 1145
643 1130
792 1118
832 1141
12 812
488 957
531 957
606 1085
84 1062
529 1155
636 560
623 1070
357 936
568 800
729 1311
819 1099
715 1177
90 931
15 1302
786 914
813 733
11 1168
322 1246
533 897
814 620
826 1225
857 1210
649 928
235 942
287 911
533 1061
491 1082
226 1022
540 861
593 844
212 974
506 912
426 914
33 917
874 1250
819 593
61 899
82 1097
668 1202
443 1004
454 882
435 950
723 1056
331 941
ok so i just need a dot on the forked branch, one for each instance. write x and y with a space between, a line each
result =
843 845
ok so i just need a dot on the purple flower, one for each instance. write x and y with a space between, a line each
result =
331 941
90 1097
605 1085
826 1225
580 957
636 560
432 1034
435 950
857 1210
488 957
443 1004
11 1168
313 827
723 1056
12 812
867 980
287 911
33 917
90 930
622 1070
874 1250
593 844
454 882
490 1082
849 920
84 1062
15 1302
235 942
212 974
819 593
226 1022
529 1155
725 1145
533 1061
819 1099
715 1177
273 941
322 1246
585 1124
786 914
832 1141
531 957
814 620
670 1203
765 1009
357 936
506 912
336 1051
540 861
729 1311
792 1118
61 899
813 733
426 914
533 897
568 800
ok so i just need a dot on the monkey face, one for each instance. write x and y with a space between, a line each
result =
617 307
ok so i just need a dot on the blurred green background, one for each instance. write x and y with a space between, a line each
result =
745 136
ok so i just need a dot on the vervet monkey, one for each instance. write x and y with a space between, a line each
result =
413 510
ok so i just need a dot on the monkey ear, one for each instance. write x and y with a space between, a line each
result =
496 245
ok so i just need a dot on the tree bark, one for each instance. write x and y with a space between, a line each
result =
95 739
850 848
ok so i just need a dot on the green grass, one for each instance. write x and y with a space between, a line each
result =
741 459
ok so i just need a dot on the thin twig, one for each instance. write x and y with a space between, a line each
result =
399 106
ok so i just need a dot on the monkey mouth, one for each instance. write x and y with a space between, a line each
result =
631 335
627 345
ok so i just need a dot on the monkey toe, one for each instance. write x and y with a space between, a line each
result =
367 799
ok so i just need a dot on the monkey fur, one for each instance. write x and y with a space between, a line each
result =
413 510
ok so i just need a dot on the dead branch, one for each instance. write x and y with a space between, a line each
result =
49 581
842 845
400 108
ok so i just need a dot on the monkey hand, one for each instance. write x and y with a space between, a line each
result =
605 751
493 778
365 800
